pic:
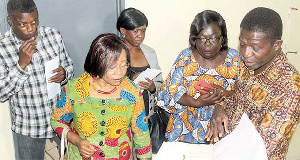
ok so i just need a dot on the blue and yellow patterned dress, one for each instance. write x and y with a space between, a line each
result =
105 123
188 124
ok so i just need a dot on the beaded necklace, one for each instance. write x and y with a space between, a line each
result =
102 92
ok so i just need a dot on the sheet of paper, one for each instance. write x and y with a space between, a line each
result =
150 73
184 151
244 142
52 88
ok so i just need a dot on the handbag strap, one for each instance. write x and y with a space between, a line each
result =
64 143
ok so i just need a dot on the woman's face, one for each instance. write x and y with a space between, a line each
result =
134 37
117 71
208 42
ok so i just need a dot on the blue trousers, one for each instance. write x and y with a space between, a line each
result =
27 148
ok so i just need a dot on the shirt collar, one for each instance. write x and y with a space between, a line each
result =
271 72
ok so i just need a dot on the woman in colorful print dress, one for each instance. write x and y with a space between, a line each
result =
104 106
210 59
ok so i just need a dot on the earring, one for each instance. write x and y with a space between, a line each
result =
123 35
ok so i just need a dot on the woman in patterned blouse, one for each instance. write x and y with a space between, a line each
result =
104 106
208 60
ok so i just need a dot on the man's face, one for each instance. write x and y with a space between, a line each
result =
24 25
257 50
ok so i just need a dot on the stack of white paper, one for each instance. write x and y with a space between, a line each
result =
243 143
52 88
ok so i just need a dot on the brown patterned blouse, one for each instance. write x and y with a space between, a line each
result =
271 100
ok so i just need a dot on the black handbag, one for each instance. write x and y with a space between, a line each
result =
157 127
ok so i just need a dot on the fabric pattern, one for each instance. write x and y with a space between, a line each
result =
271 101
189 124
105 123
26 89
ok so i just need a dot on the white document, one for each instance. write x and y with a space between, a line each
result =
244 142
150 73
52 88
184 151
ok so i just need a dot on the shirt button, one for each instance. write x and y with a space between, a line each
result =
103 123
101 143
102 154
102 133
103 101
103 112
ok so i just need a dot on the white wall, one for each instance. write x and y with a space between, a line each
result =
6 145
170 20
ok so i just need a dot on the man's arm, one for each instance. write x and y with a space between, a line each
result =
215 127
220 119
12 79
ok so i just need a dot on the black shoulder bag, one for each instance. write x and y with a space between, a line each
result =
157 126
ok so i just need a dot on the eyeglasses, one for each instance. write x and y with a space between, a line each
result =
122 67
212 40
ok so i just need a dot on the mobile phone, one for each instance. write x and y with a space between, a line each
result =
202 83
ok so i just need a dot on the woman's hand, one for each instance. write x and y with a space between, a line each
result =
149 85
212 97
86 149
226 93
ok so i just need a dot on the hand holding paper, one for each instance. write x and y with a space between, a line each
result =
144 79
149 73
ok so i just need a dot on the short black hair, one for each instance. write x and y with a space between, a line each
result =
204 19
131 18
22 6
263 20
104 51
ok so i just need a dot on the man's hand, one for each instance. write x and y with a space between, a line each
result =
59 76
149 85
26 52
86 149
215 127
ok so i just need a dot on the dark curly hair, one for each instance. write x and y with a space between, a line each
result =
22 6
263 20
204 19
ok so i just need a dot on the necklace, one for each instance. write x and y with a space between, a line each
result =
102 92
